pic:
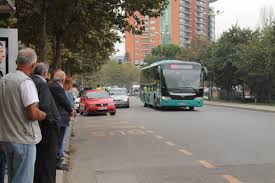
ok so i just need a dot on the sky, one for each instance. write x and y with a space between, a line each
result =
245 13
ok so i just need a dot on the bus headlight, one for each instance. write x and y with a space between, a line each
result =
165 98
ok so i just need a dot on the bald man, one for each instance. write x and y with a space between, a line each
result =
64 108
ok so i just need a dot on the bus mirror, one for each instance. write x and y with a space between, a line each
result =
159 69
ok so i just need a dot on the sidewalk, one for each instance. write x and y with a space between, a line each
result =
242 106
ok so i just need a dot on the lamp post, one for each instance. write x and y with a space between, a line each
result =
214 14
161 37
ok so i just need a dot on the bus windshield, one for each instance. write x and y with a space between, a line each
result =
181 76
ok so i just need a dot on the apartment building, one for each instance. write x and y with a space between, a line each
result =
180 23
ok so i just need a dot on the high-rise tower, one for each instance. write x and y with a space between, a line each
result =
182 21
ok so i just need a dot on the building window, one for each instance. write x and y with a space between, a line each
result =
152 28
136 41
152 22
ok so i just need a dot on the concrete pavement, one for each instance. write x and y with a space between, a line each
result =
255 107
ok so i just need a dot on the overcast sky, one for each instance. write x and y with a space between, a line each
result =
246 13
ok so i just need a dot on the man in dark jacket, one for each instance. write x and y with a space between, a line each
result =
63 106
45 165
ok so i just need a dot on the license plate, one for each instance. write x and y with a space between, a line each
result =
102 108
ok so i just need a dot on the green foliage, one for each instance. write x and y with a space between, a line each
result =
78 34
115 74
161 52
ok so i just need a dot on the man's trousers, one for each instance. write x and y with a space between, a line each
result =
45 165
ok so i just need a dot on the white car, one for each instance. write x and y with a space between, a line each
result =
120 97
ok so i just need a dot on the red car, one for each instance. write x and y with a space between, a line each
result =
96 102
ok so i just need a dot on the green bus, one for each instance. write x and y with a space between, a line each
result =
172 83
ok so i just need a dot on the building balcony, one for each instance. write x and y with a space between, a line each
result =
186 5
200 15
185 24
186 17
199 3
185 11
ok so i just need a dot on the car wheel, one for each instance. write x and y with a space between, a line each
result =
113 113
86 112
146 105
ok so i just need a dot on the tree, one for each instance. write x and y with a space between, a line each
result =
115 74
165 51
257 62
87 28
227 59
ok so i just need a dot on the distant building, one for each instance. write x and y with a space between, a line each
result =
180 23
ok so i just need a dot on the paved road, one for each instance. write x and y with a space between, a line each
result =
142 145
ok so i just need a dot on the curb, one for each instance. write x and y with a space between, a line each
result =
242 106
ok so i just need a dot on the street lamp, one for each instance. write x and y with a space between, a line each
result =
161 37
213 14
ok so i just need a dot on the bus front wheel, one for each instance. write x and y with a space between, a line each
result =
146 105
191 108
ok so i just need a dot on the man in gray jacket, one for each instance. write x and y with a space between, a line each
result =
19 113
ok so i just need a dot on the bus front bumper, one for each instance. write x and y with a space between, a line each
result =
181 103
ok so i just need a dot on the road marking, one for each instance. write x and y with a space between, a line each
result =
142 127
136 132
159 137
206 164
105 123
99 134
170 143
187 153
115 132
231 179
149 131
112 127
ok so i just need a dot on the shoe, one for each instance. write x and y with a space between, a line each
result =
62 167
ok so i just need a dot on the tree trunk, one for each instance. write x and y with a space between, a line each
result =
243 88
44 33
57 52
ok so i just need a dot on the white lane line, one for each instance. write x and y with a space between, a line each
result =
149 131
170 143
206 164
159 137
187 153
142 127
231 179
112 127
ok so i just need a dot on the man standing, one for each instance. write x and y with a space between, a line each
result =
45 165
2 154
19 113
64 108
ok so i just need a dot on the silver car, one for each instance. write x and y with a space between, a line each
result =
120 97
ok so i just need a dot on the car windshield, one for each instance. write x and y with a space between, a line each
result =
181 76
118 92
98 94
